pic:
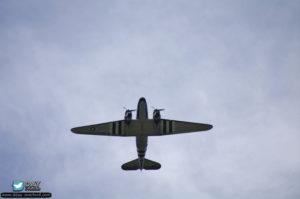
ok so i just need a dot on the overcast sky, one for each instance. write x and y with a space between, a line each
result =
232 64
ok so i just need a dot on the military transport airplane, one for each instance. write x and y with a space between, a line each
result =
141 128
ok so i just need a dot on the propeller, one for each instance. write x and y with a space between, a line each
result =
128 109
159 109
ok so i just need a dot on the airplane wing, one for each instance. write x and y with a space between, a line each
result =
167 127
114 128
144 127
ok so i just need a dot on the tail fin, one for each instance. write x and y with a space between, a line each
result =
134 165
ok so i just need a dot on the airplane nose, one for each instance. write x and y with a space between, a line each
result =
142 99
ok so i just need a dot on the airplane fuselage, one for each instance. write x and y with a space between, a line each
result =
142 140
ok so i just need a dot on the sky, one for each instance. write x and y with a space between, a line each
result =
232 64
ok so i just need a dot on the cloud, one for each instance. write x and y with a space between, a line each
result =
233 65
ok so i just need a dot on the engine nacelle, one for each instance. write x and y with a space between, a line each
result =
128 116
156 115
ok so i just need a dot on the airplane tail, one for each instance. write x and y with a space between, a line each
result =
151 165
134 165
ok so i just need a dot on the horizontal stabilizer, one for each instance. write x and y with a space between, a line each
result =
132 165
135 165
151 165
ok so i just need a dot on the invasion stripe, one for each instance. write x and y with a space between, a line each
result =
170 127
120 127
164 127
114 128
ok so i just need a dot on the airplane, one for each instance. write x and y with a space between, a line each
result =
141 128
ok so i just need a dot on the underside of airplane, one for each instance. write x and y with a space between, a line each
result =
141 128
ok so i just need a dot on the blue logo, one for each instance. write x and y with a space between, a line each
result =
18 185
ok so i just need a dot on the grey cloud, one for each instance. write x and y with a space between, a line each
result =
232 64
